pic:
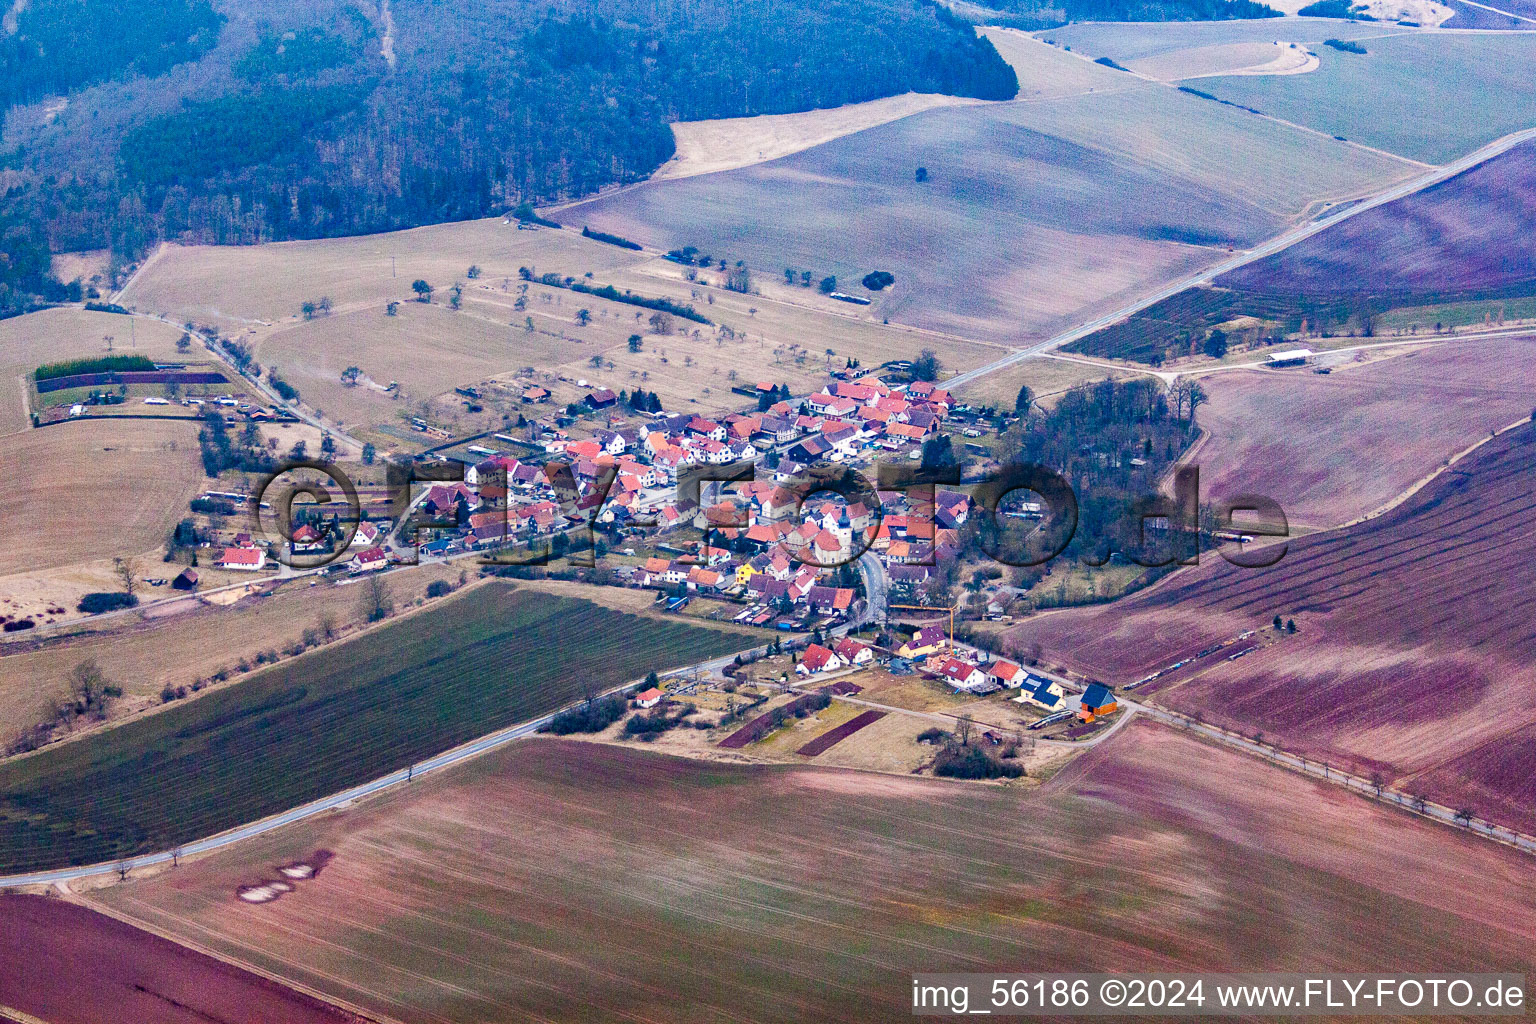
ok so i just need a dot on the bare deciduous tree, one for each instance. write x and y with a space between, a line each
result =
376 601
127 572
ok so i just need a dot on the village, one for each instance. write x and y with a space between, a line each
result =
837 578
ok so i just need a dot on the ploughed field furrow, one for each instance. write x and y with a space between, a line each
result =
336 718
1455 539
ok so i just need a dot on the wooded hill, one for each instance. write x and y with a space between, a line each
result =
320 120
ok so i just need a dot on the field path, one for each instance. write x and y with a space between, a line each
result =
1496 10
1281 241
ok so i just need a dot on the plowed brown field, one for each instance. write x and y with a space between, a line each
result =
568 881
66 964
1416 650
1332 448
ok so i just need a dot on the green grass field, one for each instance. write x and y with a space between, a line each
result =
492 657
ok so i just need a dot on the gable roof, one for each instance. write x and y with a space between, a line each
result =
1097 696
816 657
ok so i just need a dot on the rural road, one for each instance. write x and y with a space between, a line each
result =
474 748
875 581
1281 241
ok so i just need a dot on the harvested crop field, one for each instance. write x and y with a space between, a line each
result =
1266 58
124 485
1126 42
1048 377
1332 448
723 144
1475 232
67 332
490 657
797 893
1414 653
429 349
1094 197
178 648
67 964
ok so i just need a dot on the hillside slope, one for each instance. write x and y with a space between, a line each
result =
297 123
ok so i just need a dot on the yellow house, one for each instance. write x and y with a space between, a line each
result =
744 573
927 640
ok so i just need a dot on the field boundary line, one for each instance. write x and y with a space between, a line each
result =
1278 243
454 755
81 900
1322 771
1430 478
1496 10
153 257
10 1014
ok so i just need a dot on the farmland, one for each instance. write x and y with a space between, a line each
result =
802 893
1477 86
70 965
1475 232
779 331
704 147
262 284
124 486
1227 58
1126 42
338 716
1314 443
1414 653
1050 182
54 335
176 649
1464 242
1048 377
428 348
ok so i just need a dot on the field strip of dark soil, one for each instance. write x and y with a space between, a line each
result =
821 744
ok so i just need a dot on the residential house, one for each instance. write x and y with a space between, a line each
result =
1098 700
962 675
242 558
818 659
830 600
1006 674
369 561
926 640
852 652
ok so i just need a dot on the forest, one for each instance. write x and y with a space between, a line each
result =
477 108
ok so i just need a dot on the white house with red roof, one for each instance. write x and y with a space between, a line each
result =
244 558
852 652
962 675
370 560
818 659
1006 674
